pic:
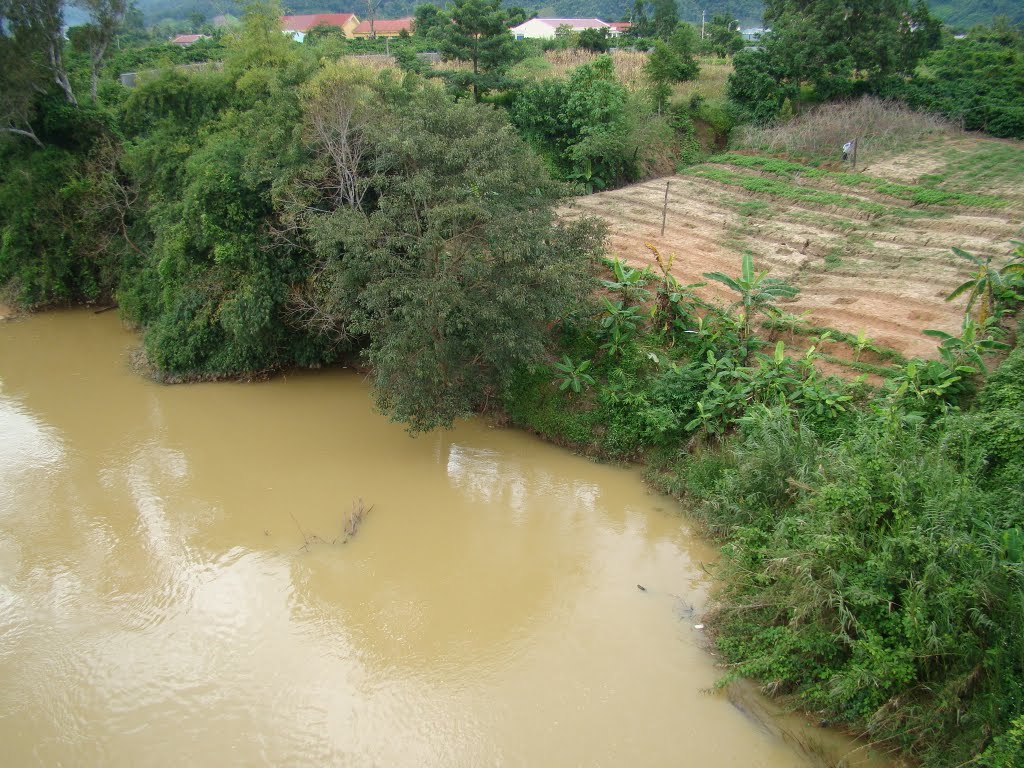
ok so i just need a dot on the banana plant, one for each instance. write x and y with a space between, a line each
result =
574 375
989 285
629 281
928 380
786 321
586 177
620 317
861 342
756 290
617 339
966 350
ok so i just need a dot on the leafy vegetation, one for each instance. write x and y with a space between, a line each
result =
976 81
588 127
817 52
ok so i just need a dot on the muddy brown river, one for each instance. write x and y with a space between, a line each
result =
173 590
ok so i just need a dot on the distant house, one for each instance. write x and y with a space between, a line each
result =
619 28
753 34
297 26
546 28
384 27
186 40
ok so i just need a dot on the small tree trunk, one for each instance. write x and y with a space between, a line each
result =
97 61
60 75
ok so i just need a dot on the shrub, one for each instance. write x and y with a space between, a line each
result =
877 577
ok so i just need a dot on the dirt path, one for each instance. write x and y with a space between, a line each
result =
886 274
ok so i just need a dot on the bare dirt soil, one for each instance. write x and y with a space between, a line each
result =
864 260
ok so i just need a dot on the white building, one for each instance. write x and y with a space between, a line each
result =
545 28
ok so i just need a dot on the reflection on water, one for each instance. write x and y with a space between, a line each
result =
169 594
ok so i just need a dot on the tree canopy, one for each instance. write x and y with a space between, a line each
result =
456 269
477 32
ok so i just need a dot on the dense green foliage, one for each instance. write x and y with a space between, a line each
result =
834 47
977 81
462 266
592 130
879 576
817 51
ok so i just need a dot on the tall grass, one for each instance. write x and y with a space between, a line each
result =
375 62
710 83
877 124
629 65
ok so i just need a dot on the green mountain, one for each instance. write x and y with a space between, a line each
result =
967 13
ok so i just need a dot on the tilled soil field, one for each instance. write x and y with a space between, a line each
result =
870 251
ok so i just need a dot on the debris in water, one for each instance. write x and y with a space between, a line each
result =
683 609
354 520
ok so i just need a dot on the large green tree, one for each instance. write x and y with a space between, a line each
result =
583 124
976 80
478 33
212 153
672 62
722 36
32 59
453 270
105 18
665 18
833 44
426 19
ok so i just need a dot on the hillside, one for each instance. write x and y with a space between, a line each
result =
870 251
966 13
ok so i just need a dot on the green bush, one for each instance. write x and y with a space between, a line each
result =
878 577
976 80
1002 405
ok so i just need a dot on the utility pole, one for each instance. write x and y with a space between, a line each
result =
702 14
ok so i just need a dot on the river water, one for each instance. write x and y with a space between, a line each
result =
174 590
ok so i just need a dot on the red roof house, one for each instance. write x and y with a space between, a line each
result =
384 27
184 40
298 26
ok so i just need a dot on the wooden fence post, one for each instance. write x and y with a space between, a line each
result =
664 209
